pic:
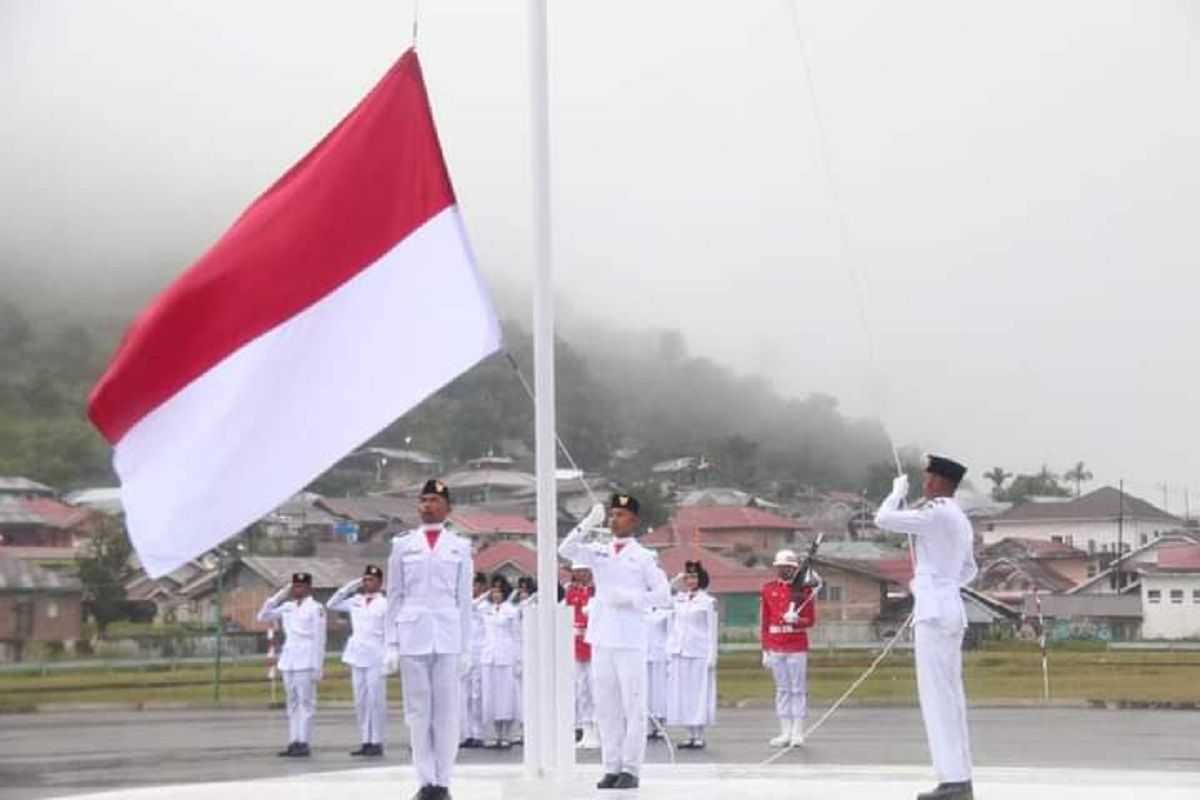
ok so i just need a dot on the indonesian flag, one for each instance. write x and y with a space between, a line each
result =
345 295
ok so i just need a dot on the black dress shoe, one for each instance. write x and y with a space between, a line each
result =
365 750
609 781
626 780
960 790
301 750
439 793
291 749
470 743
697 744
376 750
686 744
424 793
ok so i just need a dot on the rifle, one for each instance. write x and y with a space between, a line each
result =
805 576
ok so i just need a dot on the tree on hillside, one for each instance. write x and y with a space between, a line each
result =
1078 474
1042 484
103 573
997 476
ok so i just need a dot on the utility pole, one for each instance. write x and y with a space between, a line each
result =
220 623
1120 532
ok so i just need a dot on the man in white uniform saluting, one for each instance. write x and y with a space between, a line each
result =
945 563
364 655
427 635
628 585
303 657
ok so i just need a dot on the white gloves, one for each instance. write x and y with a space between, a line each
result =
791 617
594 518
766 659
391 661
900 486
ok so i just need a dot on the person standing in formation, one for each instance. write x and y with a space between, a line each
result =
579 597
944 564
364 655
788 611
657 669
472 688
428 635
693 649
628 584
302 661
498 661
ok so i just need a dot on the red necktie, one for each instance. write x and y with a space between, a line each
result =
618 546
431 536
369 598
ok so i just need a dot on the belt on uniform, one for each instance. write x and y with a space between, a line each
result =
782 629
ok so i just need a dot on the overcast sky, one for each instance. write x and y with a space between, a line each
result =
1020 184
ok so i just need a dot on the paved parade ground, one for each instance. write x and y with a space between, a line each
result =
862 752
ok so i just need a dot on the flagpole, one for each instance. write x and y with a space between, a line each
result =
546 755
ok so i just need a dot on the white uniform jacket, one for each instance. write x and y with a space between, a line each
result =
501 635
429 594
303 625
694 626
628 585
659 633
945 561
364 648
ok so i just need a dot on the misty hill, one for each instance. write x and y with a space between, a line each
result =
639 392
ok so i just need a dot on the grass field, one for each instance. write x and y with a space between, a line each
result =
998 675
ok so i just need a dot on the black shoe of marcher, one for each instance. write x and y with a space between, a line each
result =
470 743
424 793
609 781
960 790
626 780
684 745
289 752
697 744
439 793
578 735
375 750
654 734
365 750
301 751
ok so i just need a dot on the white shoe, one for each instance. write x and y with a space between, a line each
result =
785 734
590 740
797 737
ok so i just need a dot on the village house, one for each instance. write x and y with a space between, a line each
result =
1170 593
1103 521
728 530
37 606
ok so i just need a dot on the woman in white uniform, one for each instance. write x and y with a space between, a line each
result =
657 663
364 655
498 658
692 646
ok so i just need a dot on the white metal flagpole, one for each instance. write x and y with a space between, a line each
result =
545 754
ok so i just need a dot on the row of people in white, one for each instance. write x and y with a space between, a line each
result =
362 601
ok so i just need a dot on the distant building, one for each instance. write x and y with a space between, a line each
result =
727 529
1015 567
16 486
40 521
36 606
1096 522
1170 593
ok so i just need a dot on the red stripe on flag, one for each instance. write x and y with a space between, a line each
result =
373 180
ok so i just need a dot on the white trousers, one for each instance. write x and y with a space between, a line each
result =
585 693
300 686
791 685
943 703
501 694
472 704
620 675
656 688
692 697
370 702
431 690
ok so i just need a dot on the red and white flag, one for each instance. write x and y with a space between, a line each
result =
340 299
